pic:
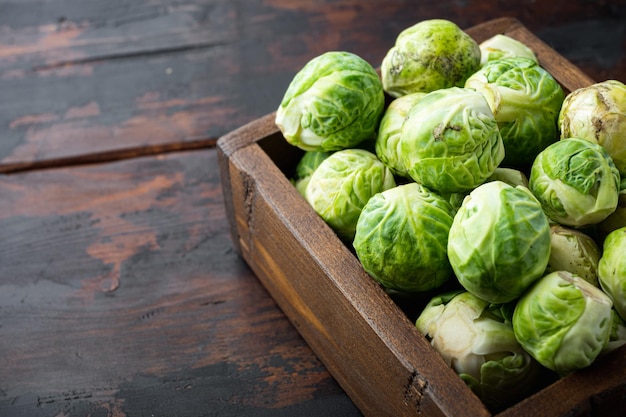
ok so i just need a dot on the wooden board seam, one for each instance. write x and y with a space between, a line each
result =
107 157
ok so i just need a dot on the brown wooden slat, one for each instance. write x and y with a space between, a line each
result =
128 106
76 32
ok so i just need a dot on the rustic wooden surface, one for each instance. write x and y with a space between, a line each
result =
120 291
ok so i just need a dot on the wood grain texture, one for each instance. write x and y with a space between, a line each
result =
121 295
94 80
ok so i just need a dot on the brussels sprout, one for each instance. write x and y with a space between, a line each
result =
478 342
576 182
502 46
428 56
612 269
388 139
511 176
305 168
341 186
617 338
450 140
563 321
334 102
499 242
455 199
573 251
598 113
401 238
525 100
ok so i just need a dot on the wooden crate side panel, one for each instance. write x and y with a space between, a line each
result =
486 30
227 145
367 343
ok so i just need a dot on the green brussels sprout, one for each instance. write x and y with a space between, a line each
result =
617 338
499 242
511 176
563 321
574 251
612 269
455 199
501 46
525 100
305 168
576 182
401 238
341 186
334 102
450 140
597 113
428 56
477 340
388 139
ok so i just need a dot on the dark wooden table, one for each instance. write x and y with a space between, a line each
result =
120 291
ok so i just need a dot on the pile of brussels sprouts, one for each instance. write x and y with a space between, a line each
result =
464 171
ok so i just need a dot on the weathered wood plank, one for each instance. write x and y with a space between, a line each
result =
121 295
71 32
93 80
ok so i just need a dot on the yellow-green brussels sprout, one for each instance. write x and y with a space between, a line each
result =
476 339
305 168
598 113
576 182
499 242
612 269
525 100
574 251
450 140
428 56
341 186
563 321
501 46
401 238
387 145
334 102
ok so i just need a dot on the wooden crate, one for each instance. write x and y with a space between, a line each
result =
364 338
